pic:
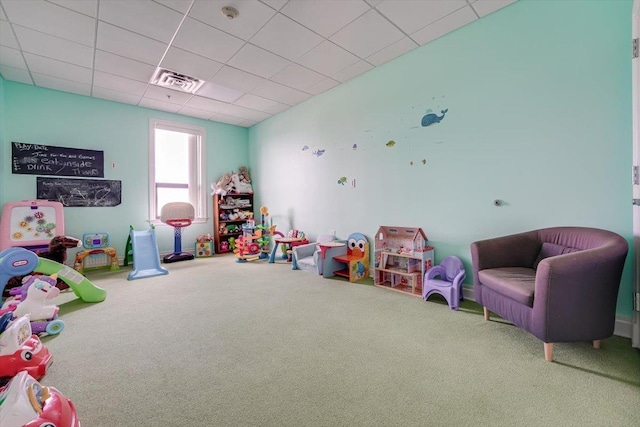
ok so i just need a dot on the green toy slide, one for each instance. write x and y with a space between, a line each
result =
81 286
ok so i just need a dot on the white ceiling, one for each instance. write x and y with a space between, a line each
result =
275 54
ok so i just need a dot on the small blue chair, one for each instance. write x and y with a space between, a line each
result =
451 274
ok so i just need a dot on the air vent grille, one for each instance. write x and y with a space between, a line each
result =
172 80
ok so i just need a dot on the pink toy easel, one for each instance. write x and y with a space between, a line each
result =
30 224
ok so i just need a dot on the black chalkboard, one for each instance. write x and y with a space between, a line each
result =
80 192
35 159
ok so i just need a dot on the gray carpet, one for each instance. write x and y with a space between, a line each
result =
217 343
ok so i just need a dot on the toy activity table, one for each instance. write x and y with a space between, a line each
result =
287 242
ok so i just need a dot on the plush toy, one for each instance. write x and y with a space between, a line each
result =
243 172
224 246
222 187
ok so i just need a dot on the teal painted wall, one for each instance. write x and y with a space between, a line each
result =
539 116
43 116
3 164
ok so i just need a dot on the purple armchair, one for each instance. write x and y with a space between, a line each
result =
559 284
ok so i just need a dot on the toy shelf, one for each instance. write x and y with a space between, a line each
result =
225 228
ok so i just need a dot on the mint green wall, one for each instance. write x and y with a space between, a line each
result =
43 116
539 100
3 164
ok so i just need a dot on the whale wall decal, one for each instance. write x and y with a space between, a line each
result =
432 118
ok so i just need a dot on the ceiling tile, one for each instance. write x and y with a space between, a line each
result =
64 70
327 58
195 112
447 24
12 58
352 71
128 44
15 74
276 109
167 95
86 7
411 15
2 15
276 4
178 5
114 95
142 17
485 7
245 113
61 84
258 61
206 104
207 41
297 77
390 52
124 67
248 123
6 35
256 102
190 64
54 47
236 79
367 35
322 86
374 3
52 19
278 92
252 16
158 105
286 38
121 84
218 92
224 118
325 17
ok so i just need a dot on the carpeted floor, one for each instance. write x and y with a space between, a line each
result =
217 343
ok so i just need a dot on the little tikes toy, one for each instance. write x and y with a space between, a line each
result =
21 350
25 402
33 294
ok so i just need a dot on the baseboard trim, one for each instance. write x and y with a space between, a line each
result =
623 327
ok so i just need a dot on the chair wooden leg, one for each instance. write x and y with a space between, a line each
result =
548 351
486 313
596 344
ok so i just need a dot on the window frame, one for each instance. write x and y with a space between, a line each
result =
197 171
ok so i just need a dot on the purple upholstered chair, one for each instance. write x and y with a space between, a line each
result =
451 274
559 284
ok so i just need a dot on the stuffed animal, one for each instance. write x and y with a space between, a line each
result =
58 248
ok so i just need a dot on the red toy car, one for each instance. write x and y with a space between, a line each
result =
21 350
25 402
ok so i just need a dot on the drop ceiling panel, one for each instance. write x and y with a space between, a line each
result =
159 105
253 16
120 84
12 58
411 15
142 17
367 35
352 71
114 95
286 38
86 7
190 64
390 52
327 58
325 17
195 112
128 44
124 67
54 47
322 86
280 93
297 77
64 70
61 84
236 79
256 102
51 19
15 75
447 24
167 95
178 5
219 92
202 39
485 7
6 35
205 104
258 61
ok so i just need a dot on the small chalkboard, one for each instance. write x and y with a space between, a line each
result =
35 159
80 192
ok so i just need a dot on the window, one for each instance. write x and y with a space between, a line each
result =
176 167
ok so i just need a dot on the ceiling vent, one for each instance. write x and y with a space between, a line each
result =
176 81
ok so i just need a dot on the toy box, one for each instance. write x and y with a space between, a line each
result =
204 249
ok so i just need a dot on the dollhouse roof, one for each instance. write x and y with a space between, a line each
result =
397 233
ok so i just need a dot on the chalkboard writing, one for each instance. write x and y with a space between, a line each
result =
80 192
35 159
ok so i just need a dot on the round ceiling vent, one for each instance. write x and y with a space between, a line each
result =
230 12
